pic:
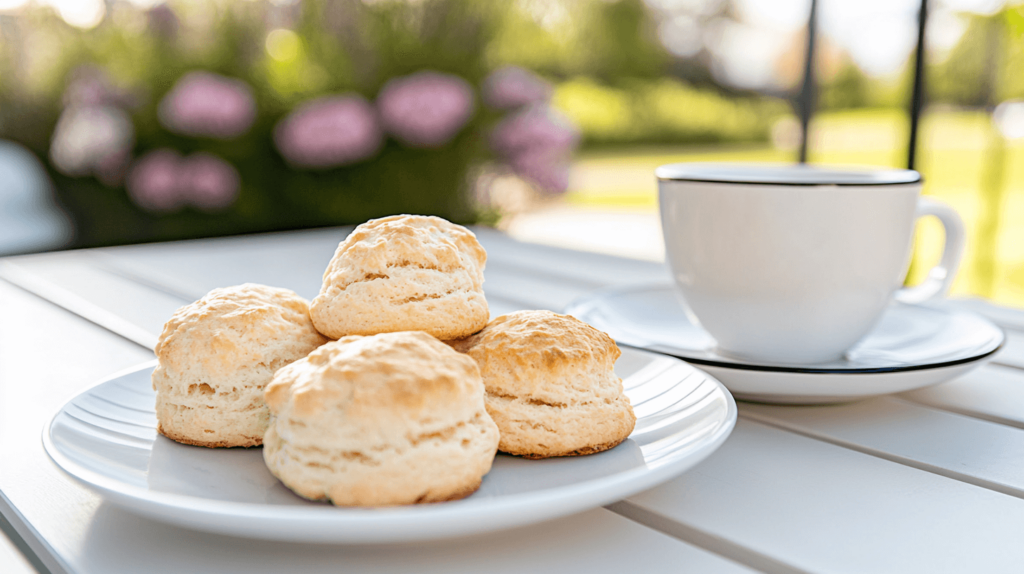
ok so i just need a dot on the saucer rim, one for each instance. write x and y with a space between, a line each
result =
825 371
793 369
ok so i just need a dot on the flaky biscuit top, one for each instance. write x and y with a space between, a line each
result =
424 242
385 383
233 328
551 357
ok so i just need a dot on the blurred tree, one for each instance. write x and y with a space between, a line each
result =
618 40
1002 35
604 39
1012 79
848 88
956 79
968 59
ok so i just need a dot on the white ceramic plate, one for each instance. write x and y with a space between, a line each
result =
105 438
912 346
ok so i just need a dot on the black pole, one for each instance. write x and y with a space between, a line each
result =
917 99
807 92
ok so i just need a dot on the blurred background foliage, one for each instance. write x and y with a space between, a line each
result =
326 48
632 83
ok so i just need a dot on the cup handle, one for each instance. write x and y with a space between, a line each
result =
940 278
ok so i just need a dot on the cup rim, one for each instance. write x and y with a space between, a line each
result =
785 174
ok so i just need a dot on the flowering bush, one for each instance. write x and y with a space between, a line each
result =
260 116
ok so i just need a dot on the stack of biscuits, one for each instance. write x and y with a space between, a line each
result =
391 387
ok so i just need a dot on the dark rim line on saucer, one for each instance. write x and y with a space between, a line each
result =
825 371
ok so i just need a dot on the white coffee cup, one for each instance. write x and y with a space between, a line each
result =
793 264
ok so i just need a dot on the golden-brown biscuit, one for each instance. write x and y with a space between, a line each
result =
551 384
396 418
217 354
404 273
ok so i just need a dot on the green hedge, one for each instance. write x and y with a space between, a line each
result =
664 111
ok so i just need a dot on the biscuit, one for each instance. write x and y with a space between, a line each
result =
551 384
217 354
396 418
404 273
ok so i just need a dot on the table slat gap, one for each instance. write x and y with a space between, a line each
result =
981 416
824 508
959 411
705 540
551 275
71 302
1012 353
784 425
994 393
104 262
41 555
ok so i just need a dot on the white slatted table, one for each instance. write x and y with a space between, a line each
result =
928 481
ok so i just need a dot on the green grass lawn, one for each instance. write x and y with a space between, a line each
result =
957 151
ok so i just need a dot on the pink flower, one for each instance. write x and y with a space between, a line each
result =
548 171
514 87
111 169
91 86
210 105
163 21
329 132
88 86
208 182
163 181
536 143
535 128
426 109
154 182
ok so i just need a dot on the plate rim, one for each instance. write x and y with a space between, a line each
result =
752 366
540 505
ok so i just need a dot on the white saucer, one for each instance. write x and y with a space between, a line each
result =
106 439
912 346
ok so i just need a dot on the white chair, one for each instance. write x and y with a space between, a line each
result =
30 219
